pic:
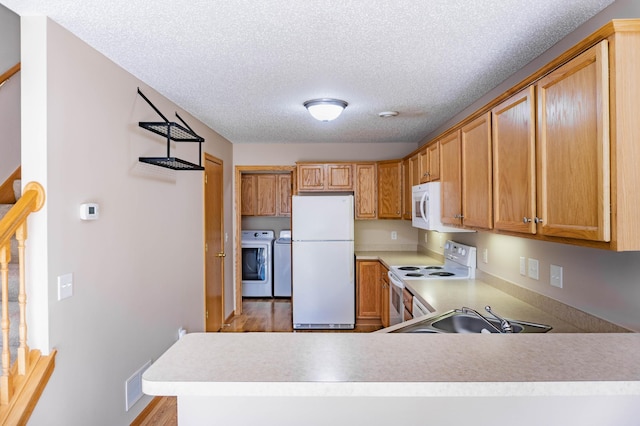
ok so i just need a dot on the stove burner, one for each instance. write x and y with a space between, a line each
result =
414 274
408 268
433 267
442 274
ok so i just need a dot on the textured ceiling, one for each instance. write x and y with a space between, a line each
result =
245 67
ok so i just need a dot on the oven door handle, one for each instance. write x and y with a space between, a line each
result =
395 280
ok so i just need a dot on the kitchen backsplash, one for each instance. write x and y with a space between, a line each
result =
378 235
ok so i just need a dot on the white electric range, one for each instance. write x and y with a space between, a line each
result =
459 263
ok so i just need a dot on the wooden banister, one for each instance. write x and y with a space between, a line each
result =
9 73
14 223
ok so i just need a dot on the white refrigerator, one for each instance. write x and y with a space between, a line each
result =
322 262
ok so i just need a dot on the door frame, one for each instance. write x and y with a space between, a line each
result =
239 170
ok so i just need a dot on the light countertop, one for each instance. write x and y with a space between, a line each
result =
561 362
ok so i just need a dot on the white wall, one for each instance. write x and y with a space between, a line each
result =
9 39
599 282
138 270
10 125
9 93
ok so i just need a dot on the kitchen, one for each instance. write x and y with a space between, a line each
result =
507 251
591 266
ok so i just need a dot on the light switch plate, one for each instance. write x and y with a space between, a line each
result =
65 286
555 276
523 266
533 269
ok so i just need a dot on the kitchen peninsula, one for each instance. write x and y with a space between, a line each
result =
377 378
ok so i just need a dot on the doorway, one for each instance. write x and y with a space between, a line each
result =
214 243
239 172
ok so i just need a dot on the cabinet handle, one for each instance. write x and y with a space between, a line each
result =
526 219
537 220
222 254
458 216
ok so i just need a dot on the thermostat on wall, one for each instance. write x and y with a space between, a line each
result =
89 211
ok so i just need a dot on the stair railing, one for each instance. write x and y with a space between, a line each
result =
14 223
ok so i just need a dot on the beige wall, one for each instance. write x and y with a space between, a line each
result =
288 154
138 270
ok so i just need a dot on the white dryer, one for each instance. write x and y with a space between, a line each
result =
257 263
282 265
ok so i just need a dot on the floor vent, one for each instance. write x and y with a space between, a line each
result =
133 386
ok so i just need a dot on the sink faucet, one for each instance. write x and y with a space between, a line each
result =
470 311
504 324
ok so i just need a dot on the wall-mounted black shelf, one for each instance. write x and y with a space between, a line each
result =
172 131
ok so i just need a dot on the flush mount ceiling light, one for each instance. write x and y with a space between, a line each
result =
325 109
385 114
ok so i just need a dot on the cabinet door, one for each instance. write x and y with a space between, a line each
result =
283 207
390 189
414 166
514 143
384 295
248 199
423 165
573 151
339 177
365 191
310 177
451 178
266 189
477 191
368 298
434 161
406 189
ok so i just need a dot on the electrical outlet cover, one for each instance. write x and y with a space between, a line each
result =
534 269
555 276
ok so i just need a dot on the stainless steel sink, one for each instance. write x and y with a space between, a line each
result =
457 321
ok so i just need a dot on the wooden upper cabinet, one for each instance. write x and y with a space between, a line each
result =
414 169
339 177
477 190
266 190
514 170
248 197
311 177
325 176
283 200
406 188
390 189
451 178
573 148
365 191
429 163
265 194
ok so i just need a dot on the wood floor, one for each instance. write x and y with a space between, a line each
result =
272 315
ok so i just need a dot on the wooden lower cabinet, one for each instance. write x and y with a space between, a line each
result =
385 295
368 293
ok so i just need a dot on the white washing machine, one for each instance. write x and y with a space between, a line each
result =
282 265
257 263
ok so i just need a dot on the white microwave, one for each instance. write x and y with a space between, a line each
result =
426 209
